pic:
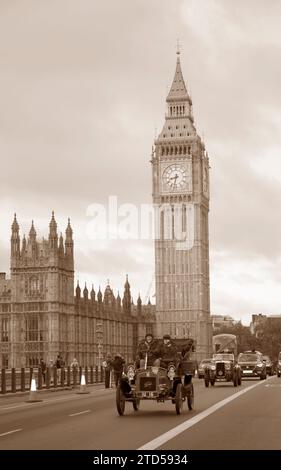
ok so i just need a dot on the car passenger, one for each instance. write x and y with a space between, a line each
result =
168 351
147 348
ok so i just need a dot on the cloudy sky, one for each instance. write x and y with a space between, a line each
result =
82 94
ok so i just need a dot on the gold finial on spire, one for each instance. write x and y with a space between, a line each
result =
178 47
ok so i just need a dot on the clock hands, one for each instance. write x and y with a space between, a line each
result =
175 179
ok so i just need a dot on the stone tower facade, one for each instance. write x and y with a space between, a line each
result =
42 302
180 172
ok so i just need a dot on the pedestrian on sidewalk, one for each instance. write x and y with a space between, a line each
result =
43 369
107 364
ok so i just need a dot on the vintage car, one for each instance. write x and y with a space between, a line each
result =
222 369
172 381
252 364
202 366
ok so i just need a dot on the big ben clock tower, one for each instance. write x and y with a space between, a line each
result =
180 170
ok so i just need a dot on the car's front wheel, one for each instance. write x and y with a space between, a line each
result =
120 401
178 399
190 398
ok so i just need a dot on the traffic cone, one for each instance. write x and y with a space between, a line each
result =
33 394
83 386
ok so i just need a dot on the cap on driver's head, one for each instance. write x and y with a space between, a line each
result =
149 335
166 337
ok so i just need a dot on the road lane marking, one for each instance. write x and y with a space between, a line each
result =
80 413
10 432
167 436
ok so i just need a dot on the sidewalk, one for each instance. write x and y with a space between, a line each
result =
92 388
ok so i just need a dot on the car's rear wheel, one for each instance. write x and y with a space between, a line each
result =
239 379
136 404
235 379
190 398
120 401
178 399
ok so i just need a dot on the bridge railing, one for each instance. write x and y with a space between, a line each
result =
16 380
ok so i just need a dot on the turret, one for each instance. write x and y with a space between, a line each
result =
61 247
78 291
139 304
53 235
69 241
85 292
99 296
127 297
15 239
93 294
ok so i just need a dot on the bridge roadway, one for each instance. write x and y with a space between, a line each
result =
66 420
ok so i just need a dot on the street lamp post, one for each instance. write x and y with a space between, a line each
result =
99 355
99 336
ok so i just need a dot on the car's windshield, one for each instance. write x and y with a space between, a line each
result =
223 357
248 357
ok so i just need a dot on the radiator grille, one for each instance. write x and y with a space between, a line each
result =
147 384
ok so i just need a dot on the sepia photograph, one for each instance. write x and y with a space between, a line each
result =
140 248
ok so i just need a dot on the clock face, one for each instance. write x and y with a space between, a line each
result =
175 177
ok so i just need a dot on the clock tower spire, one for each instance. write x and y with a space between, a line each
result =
180 170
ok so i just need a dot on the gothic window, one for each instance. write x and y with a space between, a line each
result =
171 110
184 150
5 361
5 329
6 308
34 285
32 360
32 332
180 151
189 150
184 218
162 225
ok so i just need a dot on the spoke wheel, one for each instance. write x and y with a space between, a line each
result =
120 401
190 398
178 399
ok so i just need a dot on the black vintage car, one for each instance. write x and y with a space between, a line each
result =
223 368
171 381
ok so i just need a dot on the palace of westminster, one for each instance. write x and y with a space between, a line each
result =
42 314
